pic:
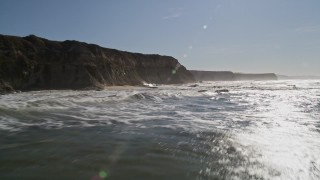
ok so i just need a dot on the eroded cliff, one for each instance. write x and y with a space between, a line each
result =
33 63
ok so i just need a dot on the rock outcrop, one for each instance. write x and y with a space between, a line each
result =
33 63
5 88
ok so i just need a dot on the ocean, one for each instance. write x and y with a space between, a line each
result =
257 130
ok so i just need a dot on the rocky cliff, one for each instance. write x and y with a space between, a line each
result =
33 63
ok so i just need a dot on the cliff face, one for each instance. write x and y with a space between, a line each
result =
35 63
213 75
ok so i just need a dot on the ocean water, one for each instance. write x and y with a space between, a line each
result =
257 130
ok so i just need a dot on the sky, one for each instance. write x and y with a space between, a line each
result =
251 36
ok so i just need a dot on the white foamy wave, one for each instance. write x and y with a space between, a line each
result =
191 107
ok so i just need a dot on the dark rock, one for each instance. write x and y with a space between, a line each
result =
231 150
5 87
194 85
222 90
33 63
202 90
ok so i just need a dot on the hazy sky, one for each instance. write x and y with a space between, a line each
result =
281 36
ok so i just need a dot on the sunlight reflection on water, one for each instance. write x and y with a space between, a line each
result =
257 130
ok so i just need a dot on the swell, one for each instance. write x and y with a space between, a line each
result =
167 106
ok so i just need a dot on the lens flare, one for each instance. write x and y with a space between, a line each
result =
103 174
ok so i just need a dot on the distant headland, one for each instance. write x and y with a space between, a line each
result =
230 76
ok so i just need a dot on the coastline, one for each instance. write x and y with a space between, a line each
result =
34 63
